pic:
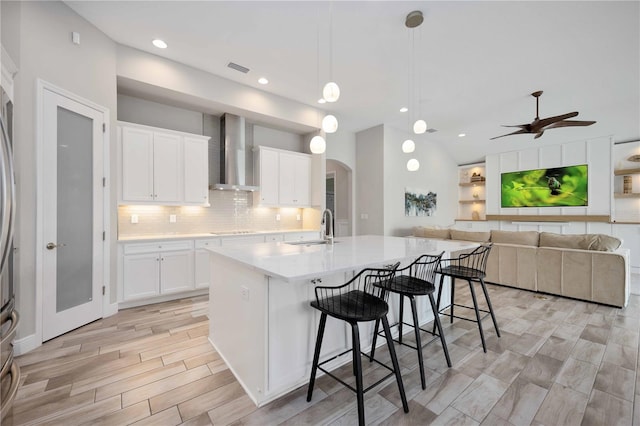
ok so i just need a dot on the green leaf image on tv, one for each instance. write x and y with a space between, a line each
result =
553 187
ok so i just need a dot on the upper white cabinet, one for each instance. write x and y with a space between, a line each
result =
161 166
284 177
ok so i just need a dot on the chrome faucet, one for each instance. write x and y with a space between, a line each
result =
323 226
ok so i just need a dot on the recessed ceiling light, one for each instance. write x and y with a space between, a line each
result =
322 101
404 109
160 44
263 80
462 135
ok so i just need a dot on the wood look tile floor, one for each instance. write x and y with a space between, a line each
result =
558 362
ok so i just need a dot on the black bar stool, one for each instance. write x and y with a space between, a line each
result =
470 267
418 280
359 300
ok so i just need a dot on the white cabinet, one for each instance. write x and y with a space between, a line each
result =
153 269
168 167
238 240
284 178
294 179
202 269
266 169
137 164
161 166
196 172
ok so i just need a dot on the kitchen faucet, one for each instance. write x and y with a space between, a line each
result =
323 226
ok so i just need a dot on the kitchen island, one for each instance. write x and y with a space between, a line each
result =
260 321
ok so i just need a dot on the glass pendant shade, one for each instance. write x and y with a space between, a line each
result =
329 124
408 146
413 165
331 92
317 145
419 127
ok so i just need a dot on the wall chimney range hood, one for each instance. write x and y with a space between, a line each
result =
232 155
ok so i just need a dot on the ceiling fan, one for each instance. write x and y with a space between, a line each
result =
538 126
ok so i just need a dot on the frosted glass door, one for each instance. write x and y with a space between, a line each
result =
72 211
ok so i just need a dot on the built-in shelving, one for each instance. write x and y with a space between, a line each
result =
472 192
621 172
626 195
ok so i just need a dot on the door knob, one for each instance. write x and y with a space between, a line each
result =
51 246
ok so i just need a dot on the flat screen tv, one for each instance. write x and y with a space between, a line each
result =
553 187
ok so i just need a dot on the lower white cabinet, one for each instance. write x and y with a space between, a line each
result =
202 266
154 269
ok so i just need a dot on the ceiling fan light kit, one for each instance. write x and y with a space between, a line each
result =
539 126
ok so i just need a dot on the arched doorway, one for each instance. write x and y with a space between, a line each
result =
339 197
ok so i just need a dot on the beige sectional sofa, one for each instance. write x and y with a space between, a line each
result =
589 267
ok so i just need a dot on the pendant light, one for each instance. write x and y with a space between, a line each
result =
330 124
408 146
413 165
318 145
331 90
414 20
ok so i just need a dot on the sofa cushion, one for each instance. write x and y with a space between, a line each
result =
420 231
570 241
602 242
479 237
523 238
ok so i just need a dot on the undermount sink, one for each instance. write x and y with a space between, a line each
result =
309 242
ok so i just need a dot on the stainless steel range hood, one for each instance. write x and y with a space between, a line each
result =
232 155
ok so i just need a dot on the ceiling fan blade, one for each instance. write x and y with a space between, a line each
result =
522 126
569 123
550 120
517 132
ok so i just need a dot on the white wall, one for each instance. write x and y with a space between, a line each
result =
87 70
438 173
369 187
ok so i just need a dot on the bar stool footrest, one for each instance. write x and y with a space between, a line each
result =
328 373
435 336
486 312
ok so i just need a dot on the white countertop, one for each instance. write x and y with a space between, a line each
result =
298 262
162 237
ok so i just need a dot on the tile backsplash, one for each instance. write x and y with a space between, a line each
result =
229 211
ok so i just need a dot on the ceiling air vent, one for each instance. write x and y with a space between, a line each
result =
237 67
431 130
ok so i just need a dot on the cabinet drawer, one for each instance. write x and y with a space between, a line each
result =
301 236
215 242
158 246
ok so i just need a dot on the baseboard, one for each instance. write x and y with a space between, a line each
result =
110 309
26 344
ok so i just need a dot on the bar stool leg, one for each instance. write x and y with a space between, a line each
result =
453 291
438 324
357 368
401 318
475 306
374 340
438 304
316 355
486 296
394 360
416 328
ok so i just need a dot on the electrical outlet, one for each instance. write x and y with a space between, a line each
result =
134 218
172 218
298 217
278 217
244 292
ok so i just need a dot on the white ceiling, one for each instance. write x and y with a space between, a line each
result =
476 62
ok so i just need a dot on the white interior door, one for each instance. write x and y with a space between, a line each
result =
72 214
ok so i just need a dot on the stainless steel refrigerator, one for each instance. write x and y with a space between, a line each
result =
10 373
